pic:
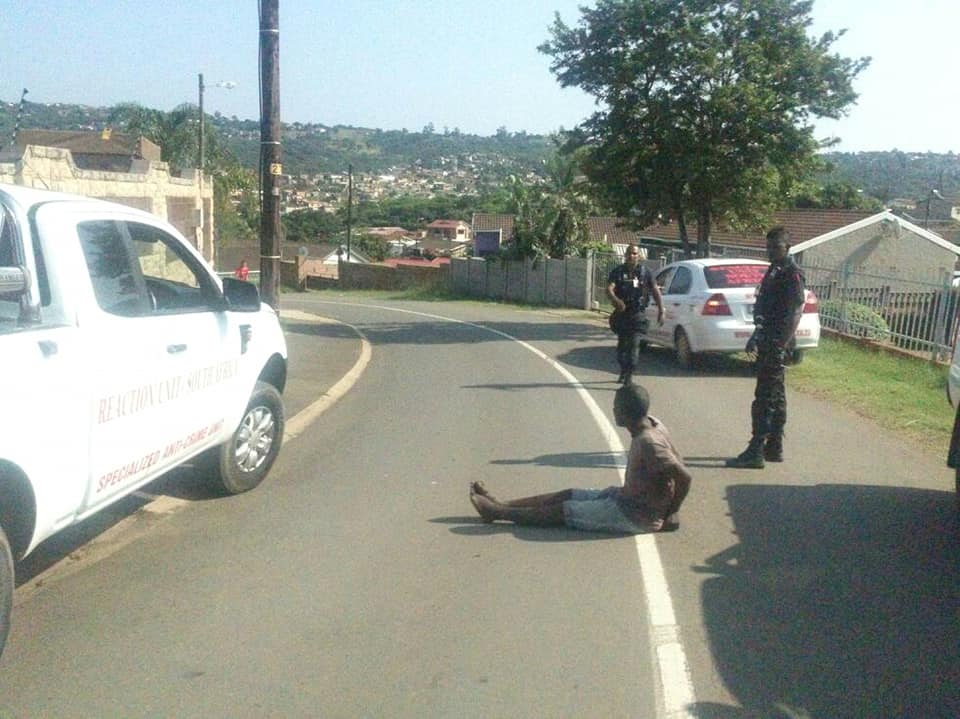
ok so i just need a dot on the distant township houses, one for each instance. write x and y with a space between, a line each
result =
116 166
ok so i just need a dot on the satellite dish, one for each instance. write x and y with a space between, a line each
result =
303 252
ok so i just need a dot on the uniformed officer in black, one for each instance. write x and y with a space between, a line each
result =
776 314
630 287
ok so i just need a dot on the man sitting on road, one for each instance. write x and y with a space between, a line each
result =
655 484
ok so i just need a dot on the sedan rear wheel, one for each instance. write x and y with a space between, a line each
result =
681 343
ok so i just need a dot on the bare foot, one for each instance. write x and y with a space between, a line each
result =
484 507
479 488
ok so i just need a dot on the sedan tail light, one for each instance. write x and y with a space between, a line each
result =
716 304
811 305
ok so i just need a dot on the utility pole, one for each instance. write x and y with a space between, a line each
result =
200 135
16 124
349 206
271 166
201 220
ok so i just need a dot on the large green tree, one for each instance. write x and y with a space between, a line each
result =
706 106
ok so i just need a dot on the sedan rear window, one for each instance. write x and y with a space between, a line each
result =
720 277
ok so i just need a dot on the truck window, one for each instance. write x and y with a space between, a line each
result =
138 269
117 282
174 278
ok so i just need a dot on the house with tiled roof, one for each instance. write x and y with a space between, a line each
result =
881 242
117 167
884 244
612 231
454 230
803 225
490 232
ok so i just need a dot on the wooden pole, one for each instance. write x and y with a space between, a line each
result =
271 167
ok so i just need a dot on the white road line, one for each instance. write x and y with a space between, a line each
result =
109 542
675 686
303 418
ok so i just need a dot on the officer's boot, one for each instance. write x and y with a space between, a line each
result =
773 447
751 457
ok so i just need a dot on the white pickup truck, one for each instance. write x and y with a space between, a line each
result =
122 355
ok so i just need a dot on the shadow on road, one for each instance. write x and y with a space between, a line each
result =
839 601
583 460
187 482
474 527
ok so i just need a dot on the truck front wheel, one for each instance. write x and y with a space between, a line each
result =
245 459
6 587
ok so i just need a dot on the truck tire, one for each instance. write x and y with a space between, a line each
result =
245 459
6 587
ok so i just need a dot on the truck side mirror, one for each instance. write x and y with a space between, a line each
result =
13 280
241 296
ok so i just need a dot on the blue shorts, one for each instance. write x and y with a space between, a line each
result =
597 510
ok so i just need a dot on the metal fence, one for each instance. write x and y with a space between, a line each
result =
913 313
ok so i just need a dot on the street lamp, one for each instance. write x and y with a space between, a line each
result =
227 85
201 220
926 217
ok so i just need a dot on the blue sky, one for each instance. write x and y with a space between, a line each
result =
466 64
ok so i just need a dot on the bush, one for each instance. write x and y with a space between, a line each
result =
861 320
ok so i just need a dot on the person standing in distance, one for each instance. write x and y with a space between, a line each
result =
243 271
776 314
629 288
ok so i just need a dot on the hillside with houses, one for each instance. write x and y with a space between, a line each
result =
409 188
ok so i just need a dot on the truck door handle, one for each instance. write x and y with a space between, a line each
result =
174 349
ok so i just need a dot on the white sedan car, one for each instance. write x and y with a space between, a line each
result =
708 307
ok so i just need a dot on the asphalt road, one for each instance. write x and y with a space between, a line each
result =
356 582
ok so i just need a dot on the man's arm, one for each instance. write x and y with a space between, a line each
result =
797 298
657 296
681 486
617 302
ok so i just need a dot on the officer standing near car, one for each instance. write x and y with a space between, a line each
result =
630 287
776 314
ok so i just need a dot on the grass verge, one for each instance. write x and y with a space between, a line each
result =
901 394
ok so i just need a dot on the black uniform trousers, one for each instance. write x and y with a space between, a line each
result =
769 409
631 331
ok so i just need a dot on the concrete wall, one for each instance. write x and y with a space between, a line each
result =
149 187
566 283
